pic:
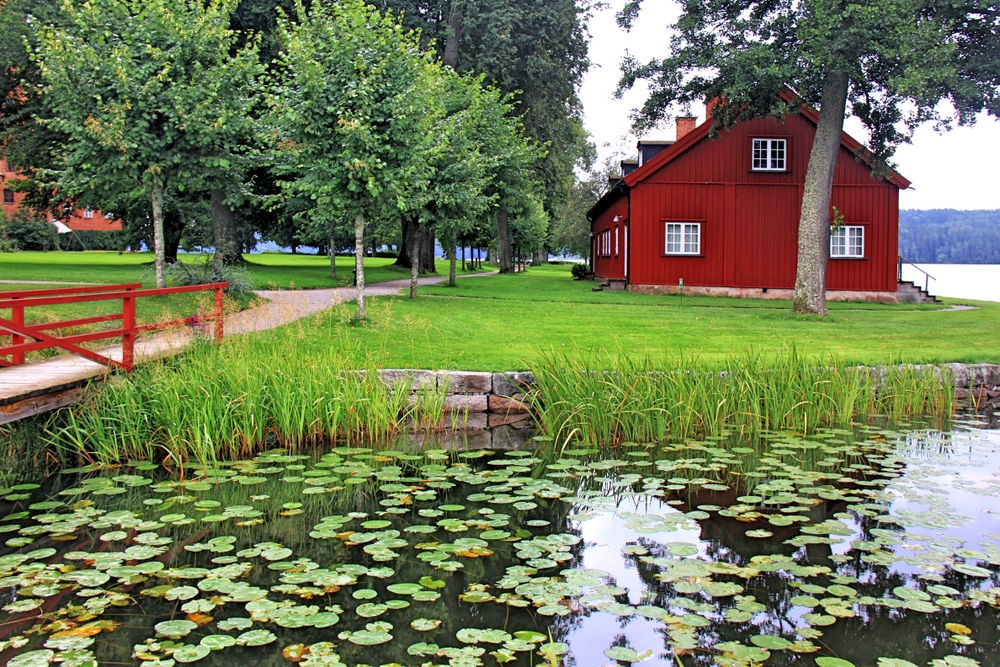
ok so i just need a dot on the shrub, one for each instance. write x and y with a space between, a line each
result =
31 231
209 271
580 271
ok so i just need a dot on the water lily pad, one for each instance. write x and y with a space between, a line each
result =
425 624
833 662
175 629
191 653
622 654
256 638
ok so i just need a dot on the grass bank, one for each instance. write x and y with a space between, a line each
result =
229 401
512 321
604 401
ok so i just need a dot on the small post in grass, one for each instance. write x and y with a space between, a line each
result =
218 313
680 286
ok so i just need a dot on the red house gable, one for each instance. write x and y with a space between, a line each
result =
722 216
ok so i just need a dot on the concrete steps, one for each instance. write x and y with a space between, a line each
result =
908 292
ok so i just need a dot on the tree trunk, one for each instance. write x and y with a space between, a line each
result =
503 241
453 265
814 220
427 248
332 249
359 261
541 257
156 202
226 237
415 261
455 34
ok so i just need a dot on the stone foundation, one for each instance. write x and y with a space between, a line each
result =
763 293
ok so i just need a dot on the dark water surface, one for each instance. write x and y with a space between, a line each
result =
877 546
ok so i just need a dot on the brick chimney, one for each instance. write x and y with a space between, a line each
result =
685 124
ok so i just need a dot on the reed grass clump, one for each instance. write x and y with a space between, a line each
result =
604 399
230 400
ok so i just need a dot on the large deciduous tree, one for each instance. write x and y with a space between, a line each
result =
352 110
890 63
147 94
534 51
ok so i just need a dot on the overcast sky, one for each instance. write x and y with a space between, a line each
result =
956 169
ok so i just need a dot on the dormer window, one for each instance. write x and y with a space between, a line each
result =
769 154
88 213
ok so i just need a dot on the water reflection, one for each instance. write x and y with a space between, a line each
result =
860 545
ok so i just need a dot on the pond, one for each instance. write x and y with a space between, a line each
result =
866 546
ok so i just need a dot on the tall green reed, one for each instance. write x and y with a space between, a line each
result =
603 399
228 401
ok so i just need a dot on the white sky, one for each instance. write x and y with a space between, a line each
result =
951 170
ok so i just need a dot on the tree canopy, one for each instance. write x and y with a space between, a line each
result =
151 96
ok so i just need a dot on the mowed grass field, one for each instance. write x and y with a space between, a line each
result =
266 270
507 322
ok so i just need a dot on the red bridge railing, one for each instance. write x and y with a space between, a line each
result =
20 332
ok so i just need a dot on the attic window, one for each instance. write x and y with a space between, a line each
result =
88 213
769 154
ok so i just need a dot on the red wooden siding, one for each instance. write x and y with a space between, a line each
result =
612 266
749 220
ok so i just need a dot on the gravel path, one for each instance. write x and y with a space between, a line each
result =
286 306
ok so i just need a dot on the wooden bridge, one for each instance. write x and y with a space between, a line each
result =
30 389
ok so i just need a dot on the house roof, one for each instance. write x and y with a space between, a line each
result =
701 132
609 198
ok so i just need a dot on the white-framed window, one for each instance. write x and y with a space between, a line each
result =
88 213
616 240
847 241
683 238
8 196
769 154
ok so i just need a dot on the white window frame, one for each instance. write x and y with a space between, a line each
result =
682 243
616 240
773 153
847 242
88 213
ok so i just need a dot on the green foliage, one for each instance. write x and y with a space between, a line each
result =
27 230
950 237
351 109
580 271
153 98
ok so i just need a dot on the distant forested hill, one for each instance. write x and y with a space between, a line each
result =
946 236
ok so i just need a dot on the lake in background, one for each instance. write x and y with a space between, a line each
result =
964 281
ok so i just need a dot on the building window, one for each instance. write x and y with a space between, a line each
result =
769 154
847 241
11 166
8 196
616 240
88 213
606 238
683 238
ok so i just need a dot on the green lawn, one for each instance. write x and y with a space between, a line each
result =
504 322
267 270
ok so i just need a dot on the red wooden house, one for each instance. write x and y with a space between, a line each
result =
720 216
83 219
